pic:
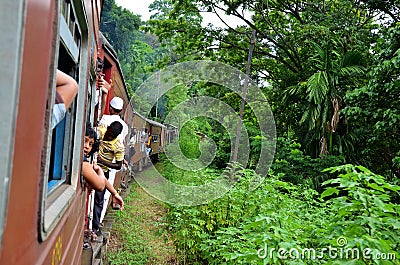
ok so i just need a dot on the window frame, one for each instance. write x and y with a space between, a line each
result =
56 199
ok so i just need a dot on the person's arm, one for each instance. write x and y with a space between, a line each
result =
94 176
117 165
67 87
118 199
105 87
104 96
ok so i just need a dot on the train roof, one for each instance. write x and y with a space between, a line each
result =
171 126
149 120
156 123
137 113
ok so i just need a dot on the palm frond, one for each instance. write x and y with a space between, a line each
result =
351 70
318 87
291 91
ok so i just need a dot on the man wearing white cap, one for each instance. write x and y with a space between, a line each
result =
115 107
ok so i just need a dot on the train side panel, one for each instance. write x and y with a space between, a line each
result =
44 224
140 124
20 238
11 41
43 209
157 131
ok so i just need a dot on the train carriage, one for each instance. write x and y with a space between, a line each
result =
172 133
42 195
44 206
158 133
138 127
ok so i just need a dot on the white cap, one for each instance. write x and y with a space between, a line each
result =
117 103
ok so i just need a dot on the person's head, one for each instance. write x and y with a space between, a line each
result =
116 105
113 130
100 66
90 145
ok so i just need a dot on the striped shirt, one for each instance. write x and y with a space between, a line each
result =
109 150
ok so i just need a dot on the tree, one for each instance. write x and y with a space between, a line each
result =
307 55
325 90
375 107
137 51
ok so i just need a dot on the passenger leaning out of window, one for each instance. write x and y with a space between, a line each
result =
92 173
66 90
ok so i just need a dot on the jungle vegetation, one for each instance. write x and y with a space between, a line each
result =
330 71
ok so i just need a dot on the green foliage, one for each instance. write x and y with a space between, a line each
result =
308 52
365 211
189 138
292 165
308 56
374 108
137 51
248 227
189 141
325 89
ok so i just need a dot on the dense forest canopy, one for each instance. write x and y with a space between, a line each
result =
138 52
330 69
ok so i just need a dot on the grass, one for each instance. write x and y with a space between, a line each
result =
138 235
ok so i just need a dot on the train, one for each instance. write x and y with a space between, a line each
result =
44 209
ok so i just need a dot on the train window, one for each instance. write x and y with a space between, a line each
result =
155 138
62 134
12 18
63 158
